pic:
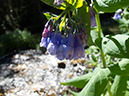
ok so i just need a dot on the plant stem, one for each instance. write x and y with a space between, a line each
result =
99 36
101 52
108 88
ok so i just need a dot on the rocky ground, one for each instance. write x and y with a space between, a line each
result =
32 73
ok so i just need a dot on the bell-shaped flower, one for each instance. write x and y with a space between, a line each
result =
44 42
52 46
79 49
93 22
92 18
82 40
68 51
60 52
58 37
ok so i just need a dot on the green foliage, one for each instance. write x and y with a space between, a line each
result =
17 40
51 3
78 82
116 46
121 68
95 37
73 93
119 86
109 5
68 4
124 21
97 84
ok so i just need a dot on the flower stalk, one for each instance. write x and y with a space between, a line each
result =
101 52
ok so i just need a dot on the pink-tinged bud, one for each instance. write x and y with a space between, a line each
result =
45 30
44 34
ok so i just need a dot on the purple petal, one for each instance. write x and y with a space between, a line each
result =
78 40
52 48
117 16
60 52
93 21
64 40
79 52
43 42
70 40
68 52
58 37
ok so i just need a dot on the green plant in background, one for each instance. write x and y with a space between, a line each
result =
123 20
110 76
17 40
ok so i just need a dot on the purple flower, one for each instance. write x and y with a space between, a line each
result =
58 37
44 42
93 22
52 46
60 53
92 17
58 2
79 49
117 16
68 51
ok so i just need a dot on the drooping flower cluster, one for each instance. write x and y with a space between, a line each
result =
64 47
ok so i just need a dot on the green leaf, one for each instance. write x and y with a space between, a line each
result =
73 93
51 3
79 82
110 5
122 68
119 86
95 38
123 22
47 15
97 83
73 4
116 46
62 22
78 3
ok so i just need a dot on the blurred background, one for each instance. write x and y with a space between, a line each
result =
21 24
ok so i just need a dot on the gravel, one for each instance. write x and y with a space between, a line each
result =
32 73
